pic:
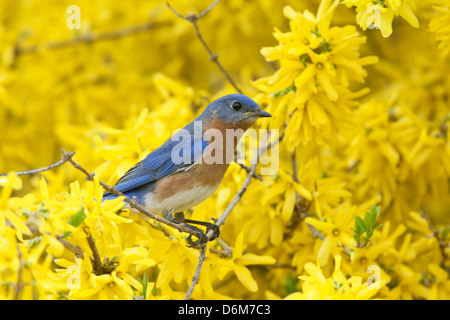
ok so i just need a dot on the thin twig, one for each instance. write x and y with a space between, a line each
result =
266 144
315 232
87 38
66 157
196 276
193 18
75 249
247 169
97 261
133 204
299 209
18 285
204 12
225 252
442 245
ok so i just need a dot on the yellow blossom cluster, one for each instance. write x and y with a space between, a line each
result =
357 209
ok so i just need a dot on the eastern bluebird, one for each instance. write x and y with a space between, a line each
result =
164 184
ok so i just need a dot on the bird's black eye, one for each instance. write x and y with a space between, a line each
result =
236 106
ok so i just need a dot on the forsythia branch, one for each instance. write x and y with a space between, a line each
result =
133 204
196 276
75 249
66 157
18 286
86 38
97 261
193 18
265 145
442 244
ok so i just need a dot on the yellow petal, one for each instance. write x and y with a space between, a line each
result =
324 79
17 222
145 262
239 245
305 193
315 272
438 272
326 227
140 120
253 259
407 13
276 232
245 277
289 203
328 244
57 248
44 189
386 17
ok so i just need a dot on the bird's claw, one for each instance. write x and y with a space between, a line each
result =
192 243
215 229
203 238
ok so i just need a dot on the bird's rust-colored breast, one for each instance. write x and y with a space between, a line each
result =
205 172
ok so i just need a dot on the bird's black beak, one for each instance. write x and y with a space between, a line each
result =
263 114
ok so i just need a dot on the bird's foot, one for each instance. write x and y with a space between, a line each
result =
178 217
198 233
209 226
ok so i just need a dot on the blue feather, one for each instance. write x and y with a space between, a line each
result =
174 155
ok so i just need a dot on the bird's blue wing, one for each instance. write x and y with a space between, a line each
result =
171 157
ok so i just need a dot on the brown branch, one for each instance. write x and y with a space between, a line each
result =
19 284
66 157
196 276
250 175
87 38
97 261
75 249
133 204
442 245
300 210
193 18
225 252
248 169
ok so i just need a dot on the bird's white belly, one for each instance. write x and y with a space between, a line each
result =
180 201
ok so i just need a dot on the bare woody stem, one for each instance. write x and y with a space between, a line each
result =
250 175
87 38
18 286
66 157
443 246
193 18
196 276
133 204
96 261
75 249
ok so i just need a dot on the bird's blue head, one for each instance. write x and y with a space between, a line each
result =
235 109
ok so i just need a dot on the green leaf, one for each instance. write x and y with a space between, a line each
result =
377 226
77 218
336 285
360 224
444 233
366 225
155 291
358 229
65 234
290 284
34 241
144 282
285 91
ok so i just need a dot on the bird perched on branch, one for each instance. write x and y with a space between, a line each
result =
188 168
